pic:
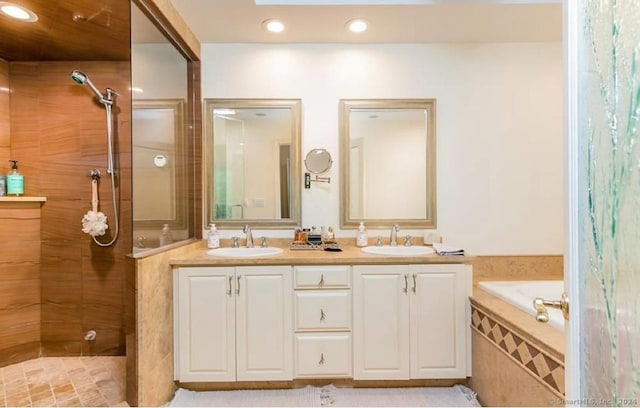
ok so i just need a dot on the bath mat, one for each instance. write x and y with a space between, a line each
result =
330 396
456 396
297 397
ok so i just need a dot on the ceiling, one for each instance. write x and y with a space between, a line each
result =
240 21
103 33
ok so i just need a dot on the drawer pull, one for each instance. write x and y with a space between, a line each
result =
230 283
413 289
322 315
321 362
406 283
238 288
321 283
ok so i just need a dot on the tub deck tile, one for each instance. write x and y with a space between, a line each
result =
538 361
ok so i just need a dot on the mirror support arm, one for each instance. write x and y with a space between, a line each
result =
317 179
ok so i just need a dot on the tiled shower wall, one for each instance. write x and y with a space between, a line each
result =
4 113
58 133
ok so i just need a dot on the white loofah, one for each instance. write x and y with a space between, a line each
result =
94 223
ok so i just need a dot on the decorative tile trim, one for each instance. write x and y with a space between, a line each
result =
548 370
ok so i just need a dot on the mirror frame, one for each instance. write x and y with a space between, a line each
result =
296 131
181 171
345 107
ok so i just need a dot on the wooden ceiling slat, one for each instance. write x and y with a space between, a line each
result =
56 37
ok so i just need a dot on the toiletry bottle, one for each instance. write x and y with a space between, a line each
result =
213 238
3 185
165 236
15 180
361 236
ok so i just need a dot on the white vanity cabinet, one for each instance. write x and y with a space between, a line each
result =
322 322
410 321
233 323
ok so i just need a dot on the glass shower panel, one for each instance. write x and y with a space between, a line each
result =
609 110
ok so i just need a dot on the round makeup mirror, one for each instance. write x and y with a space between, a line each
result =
318 161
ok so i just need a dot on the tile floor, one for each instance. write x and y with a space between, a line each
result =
64 382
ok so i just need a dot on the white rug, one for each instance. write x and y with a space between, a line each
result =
330 396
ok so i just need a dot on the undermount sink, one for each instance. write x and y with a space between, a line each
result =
245 252
398 250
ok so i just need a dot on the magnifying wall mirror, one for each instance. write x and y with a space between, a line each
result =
318 161
388 162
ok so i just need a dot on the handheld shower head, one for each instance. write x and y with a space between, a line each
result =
81 78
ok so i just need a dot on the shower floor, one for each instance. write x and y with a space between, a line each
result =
64 381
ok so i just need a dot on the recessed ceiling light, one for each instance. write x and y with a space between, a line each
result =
274 26
357 26
18 12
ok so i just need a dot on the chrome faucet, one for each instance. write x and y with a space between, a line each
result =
393 240
247 230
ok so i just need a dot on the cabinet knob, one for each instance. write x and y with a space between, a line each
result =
238 285
321 283
230 283
321 362
322 315
406 283
413 289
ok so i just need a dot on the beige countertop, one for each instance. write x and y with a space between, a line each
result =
350 255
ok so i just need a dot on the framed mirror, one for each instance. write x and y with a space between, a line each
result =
159 163
388 168
252 154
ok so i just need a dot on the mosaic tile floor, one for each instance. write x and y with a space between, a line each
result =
64 382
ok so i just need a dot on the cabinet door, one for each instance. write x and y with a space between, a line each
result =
264 323
438 329
205 321
380 322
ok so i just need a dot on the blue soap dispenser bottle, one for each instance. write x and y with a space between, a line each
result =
15 180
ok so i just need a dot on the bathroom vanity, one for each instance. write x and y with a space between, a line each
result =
315 314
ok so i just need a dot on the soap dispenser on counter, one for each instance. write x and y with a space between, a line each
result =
15 180
213 237
165 236
361 236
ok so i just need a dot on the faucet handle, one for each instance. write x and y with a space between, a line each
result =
263 242
234 242
407 241
396 227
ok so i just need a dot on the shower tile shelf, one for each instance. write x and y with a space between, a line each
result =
22 199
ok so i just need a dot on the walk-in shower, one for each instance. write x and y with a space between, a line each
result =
107 99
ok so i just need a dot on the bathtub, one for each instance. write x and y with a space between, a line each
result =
522 293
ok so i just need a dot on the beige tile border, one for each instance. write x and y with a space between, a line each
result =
545 368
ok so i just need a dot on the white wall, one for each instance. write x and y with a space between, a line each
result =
499 126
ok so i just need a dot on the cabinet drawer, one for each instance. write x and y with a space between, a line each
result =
318 277
323 355
323 310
